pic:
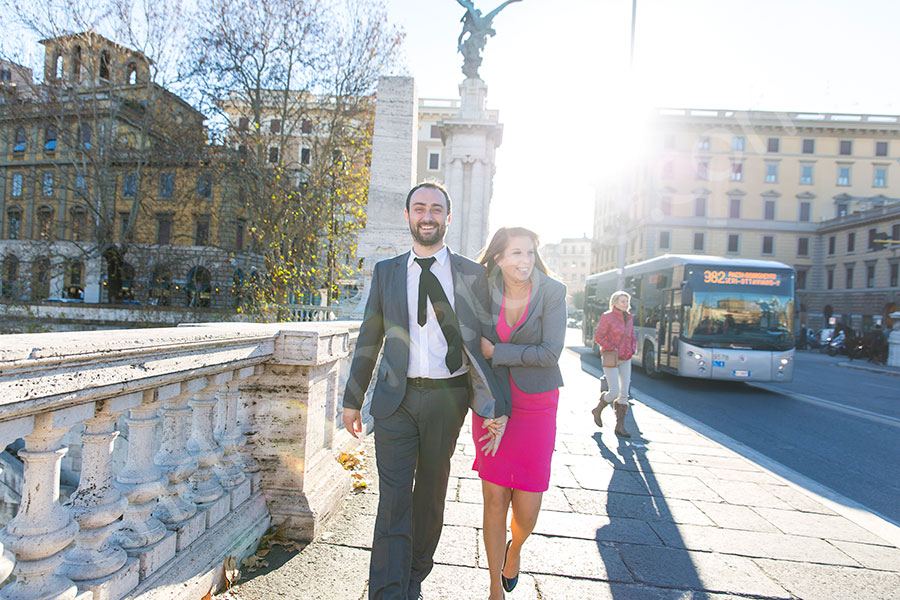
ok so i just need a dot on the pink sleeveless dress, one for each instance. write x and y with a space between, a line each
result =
523 460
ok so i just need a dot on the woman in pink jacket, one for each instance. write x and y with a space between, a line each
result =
615 333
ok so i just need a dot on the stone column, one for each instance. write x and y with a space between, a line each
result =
247 428
141 534
43 528
96 563
175 509
205 488
9 431
229 472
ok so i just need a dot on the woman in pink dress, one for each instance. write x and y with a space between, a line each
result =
529 313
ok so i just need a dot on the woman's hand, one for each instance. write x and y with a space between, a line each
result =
495 428
487 348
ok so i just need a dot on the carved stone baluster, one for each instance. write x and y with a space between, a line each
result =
43 528
141 534
175 509
246 427
9 431
206 490
96 563
228 472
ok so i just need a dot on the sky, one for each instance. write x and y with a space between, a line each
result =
558 71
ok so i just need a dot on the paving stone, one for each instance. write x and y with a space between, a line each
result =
595 527
447 582
730 516
670 567
573 558
457 546
760 477
722 462
830 527
567 588
470 491
561 476
827 582
464 514
678 486
740 493
345 529
645 508
751 543
797 499
886 558
692 449
365 503
555 499
581 446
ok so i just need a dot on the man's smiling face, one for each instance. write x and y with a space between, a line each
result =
427 216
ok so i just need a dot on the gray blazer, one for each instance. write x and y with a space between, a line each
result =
532 354
386 321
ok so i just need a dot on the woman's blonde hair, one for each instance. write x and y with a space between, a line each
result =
616 295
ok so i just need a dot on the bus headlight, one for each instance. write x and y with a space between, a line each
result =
785 362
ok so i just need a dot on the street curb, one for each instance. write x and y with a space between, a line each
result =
849 509
870 369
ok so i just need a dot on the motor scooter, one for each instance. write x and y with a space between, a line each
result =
836 344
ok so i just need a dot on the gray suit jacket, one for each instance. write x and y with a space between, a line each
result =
386 321
532 354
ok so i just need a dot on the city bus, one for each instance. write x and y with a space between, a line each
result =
704 316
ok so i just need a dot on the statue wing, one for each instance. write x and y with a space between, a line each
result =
494 12
467 4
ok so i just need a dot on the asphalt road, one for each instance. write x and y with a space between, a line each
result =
838 426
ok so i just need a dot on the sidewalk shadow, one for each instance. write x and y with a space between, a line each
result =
634 501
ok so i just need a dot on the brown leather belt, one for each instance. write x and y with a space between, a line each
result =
438 384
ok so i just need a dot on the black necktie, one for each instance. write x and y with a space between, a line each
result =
430 287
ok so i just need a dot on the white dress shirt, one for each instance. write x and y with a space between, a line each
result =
427 345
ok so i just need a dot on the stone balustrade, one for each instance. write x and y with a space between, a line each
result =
227 428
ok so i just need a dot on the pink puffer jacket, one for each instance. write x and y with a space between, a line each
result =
615 333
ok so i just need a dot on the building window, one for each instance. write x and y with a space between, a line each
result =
870 276
699 242
306 126
243 124
204 186
128 190
275 126
167 185
805 208
848 282
806 174
665 240
13 223
45 223
84 136
873 236
881 148
435 132
829 279
851 242
76 64
305 156
21 140
668 170
846 148
703 142
665 206
771 173
700 207
734 243
801 280
17 179
809 146
10 276
734 208
768 244
773 144
769 210
40 279
737 170
123 226
737 143
164 230
842 209
843 176
201 232
79 223
880 177
50 135
895 233
239 235
47 185
273 155
131 75
703 170
832 242
434 161
895 274
104 65
803 246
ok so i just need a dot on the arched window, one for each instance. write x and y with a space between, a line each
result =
76 64
84 135
21 140
198 287
58 66
13 223
79 223
161 285
10 276
127 292
104 65
75 279
50 135
131 74
40 279
45 222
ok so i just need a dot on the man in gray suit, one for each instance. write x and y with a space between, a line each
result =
429 308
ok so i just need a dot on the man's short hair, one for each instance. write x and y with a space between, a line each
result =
433 185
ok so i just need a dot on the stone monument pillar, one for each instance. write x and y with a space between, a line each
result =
470 144
391 176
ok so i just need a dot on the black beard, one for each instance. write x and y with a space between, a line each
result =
435 238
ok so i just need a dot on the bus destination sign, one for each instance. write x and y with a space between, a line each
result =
757 278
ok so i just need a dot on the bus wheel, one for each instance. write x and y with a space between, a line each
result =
648 362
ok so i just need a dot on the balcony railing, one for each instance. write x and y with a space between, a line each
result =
227 428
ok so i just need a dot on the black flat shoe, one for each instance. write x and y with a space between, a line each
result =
508 584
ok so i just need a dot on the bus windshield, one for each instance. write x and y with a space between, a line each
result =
754 312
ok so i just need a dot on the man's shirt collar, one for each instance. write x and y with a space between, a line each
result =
441 256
